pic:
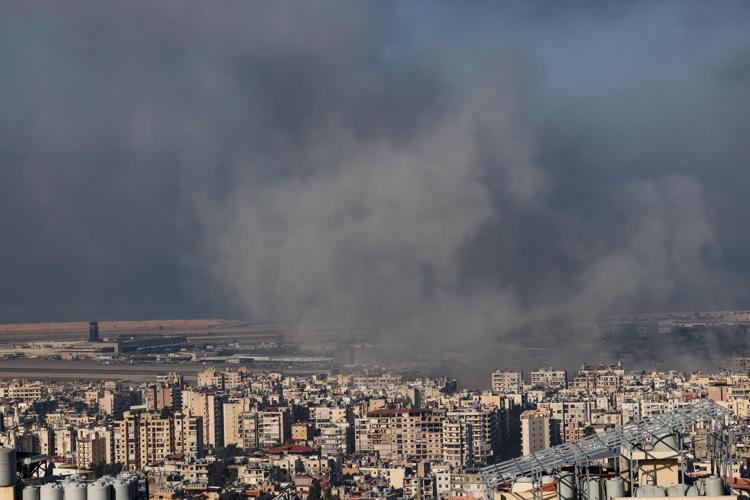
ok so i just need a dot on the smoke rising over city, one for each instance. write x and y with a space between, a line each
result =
442 173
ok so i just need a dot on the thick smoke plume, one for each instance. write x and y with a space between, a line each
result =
445 175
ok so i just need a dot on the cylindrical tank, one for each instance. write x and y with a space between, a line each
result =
74 490
594 489
650 491
714 486
666 441
50 491
615 487
133 486
566 486
30 492
692 491
677 490
98 491
7 466
122 489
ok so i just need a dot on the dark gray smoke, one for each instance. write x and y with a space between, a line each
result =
445 173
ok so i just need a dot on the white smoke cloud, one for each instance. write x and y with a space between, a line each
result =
331 162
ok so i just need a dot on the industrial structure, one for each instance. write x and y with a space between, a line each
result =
24 476
93 331
644 458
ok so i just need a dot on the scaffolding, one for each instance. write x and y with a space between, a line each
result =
31 465
609 444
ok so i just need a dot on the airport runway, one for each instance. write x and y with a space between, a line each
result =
86 370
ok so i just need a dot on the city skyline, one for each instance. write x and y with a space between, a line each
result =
245 431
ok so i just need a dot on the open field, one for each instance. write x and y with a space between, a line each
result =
115 326
202 329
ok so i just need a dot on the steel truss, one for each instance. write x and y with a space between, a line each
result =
606 444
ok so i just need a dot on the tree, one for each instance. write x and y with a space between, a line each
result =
227 452
106 469
315 491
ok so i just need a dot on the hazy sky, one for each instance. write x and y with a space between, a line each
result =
431 167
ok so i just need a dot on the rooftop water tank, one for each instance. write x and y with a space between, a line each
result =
714 486
30 492
615 487
566 486
594 489
666 441
122 489
677 490
50 491
133 487
650 491
74 490
99 491
7 467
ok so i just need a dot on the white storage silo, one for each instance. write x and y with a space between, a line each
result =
714 486
50 491
122 489
677 490
594 489
650 491
615 488
74 490
666 441
7 467
30 492
133 482
566 486
98 491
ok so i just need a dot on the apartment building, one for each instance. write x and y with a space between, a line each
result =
603 378
188 435
334 429
65 440
113 403
334 438
567 412
26 392
458 448
361 444
91 449
157 397
549 378
210 407
210 377
44 441
471 436
326 414
108 434
249 428
233 412
274 426
145 437
233 379
536 430
506 381
405 433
